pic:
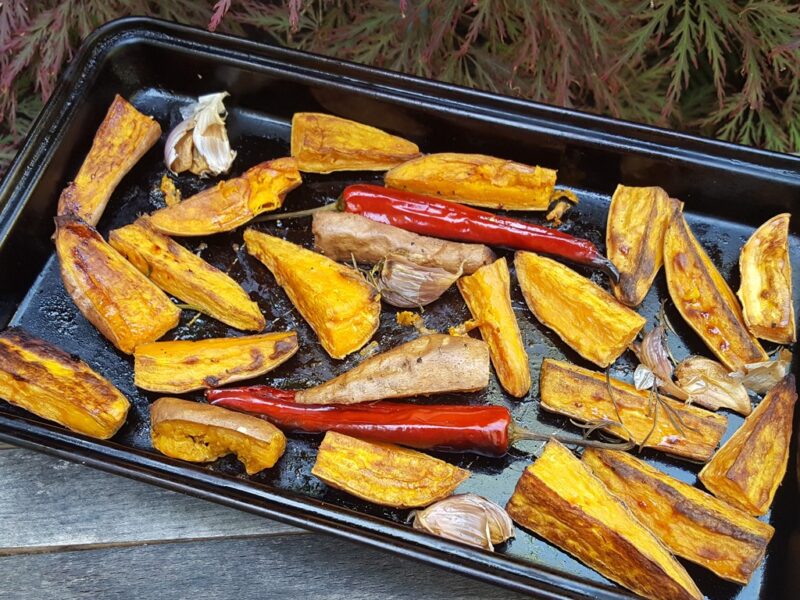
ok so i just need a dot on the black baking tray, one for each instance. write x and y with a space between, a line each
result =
728 190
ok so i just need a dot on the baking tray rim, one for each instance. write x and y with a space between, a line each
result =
34 156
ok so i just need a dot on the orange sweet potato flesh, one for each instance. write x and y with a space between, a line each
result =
691 523
748 469
589 319
182 366
584 396
230 203
766 282
186 276
203 433
384 473
111 293
336 301
705 300
123 137
476 179
44 380
559 499
487 293
324 144
637 221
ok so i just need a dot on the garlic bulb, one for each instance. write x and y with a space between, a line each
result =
408 285
199 143
467 518
709 384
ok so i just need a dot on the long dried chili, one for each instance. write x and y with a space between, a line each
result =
427 215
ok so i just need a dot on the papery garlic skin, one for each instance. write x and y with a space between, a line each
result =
710 385
762 376
467 518
200 143
405 284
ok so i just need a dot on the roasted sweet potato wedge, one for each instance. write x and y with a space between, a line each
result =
748 469
182 366
346 236
336 301
230 203
323 144
589 319
667 425
384 473
44 380
123 137
476 179
705 300
430 364
111 293
766 284
203 433
186 276
487 293
692 524
559 499
637 221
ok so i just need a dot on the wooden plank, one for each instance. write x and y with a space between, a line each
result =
51 503
288 567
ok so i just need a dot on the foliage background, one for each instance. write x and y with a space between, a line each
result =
723 68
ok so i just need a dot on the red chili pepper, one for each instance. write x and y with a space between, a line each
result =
427 215
481 429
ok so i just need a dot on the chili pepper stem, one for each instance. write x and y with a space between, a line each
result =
518 434
335 206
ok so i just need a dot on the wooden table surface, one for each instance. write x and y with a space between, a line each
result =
69 531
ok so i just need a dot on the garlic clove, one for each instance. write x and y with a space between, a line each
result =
467 518
406 284
762 376
643 378
200 143
709 384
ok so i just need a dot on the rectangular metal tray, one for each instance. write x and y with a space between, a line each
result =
159 66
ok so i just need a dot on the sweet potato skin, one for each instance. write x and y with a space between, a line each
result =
748 469
691 523
125 306
766 282
123 137
476 179
186 276
637 221
559 499
430 364
589 319
337 302
182 366
44 380
384 473
705 300
487 293
583 395
198 432
324 144
230 203
344 236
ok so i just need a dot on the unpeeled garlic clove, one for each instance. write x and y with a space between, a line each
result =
405 284
710 385
467 518
762 376
199 143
